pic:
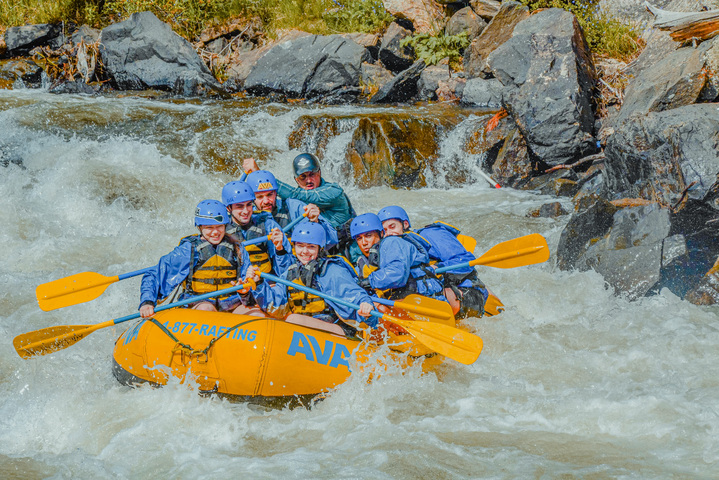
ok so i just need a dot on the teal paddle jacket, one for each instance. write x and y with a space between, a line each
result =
329 197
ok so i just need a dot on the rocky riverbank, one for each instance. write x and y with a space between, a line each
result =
639 155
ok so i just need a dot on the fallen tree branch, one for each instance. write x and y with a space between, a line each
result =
590 158
685 26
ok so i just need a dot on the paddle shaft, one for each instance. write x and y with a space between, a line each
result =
65 340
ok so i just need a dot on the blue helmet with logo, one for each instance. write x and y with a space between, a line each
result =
237 192
367 222
394 212
309 232
211 212
305 162
261 181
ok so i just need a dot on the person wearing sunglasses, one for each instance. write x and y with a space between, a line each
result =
202 263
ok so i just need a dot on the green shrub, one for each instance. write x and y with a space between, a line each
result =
190 17
366 16
432 49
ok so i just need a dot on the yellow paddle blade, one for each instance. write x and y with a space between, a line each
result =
518 252
427 309
52 339
78 288
493 306
451 342
467 242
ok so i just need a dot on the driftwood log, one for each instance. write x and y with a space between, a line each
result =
686 26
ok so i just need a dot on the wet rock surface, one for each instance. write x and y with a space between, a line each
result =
548 79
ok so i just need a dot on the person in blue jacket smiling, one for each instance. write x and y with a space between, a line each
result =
285 210
273 256
464 291
202 263
330 275
394 266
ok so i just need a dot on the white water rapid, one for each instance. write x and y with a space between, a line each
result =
573 381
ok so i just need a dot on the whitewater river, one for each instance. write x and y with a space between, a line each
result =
573 381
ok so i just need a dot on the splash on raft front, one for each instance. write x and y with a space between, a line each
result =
234 355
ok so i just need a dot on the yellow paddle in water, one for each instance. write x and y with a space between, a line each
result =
86 286
422 308
451 342
526 250
52 339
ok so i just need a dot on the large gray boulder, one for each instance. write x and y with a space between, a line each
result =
143 52
465 20
310 66
429 81
394 57
625 245
20 40
498 31
548 77
675 80
659 155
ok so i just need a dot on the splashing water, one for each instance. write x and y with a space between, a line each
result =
573 381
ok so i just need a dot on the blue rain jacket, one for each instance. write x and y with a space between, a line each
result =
338 280
445 248
173 269
399 258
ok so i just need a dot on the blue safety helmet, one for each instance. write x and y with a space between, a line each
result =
261 181
309 232
367 222
394 212
305 162
237 192
211 212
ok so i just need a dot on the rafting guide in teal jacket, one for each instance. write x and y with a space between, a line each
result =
312 188
464 291
285 210
393 266
206 262
330 275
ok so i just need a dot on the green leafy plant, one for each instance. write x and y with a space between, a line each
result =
366 16
434 48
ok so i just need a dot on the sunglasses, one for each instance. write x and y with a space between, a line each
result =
217 218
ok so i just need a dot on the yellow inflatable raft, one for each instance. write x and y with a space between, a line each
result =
234 355
246 357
